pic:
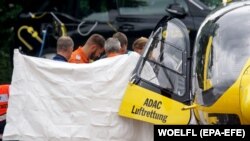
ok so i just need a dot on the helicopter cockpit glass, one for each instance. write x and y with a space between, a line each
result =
163 64
220 54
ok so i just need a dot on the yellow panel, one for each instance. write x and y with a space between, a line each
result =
207 82
142 104
245 97
235 100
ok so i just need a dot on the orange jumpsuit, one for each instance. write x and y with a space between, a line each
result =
79 56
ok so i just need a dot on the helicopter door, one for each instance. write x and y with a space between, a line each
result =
160 87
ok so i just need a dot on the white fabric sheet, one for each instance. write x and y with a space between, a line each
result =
58 101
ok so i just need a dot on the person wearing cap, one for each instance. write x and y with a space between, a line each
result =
91 50
64 48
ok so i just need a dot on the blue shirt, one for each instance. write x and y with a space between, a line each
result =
59 57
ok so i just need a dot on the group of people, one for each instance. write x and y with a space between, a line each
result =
95 46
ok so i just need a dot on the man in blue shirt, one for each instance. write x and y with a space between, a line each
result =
64 48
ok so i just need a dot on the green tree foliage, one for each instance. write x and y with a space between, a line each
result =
8 12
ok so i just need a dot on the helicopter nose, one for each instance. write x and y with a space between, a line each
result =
245 102
245 96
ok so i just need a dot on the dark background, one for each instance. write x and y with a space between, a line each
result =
11 9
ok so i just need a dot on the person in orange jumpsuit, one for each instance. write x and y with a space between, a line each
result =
91 50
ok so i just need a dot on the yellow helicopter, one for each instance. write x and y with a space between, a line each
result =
221 67
171 85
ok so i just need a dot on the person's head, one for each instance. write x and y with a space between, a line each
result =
65 46
94 46
123 40
112 45
139 44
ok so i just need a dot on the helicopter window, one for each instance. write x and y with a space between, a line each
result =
200 52
212 4
228 55
210 64
90 11
171 58
183 4
148 72
142 7
169 50
164 60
